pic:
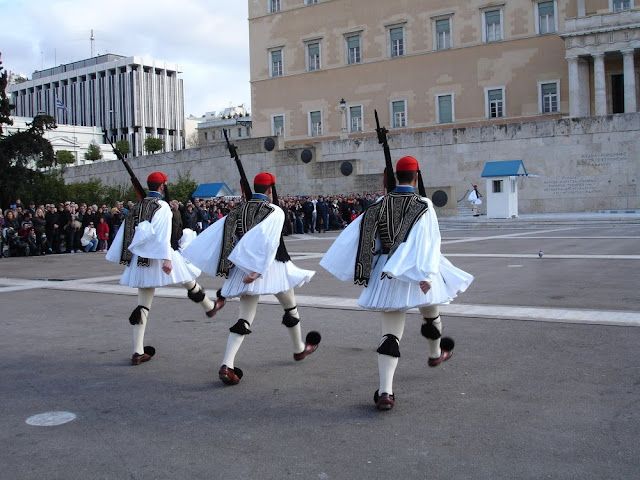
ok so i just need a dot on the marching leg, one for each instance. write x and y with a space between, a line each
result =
248 306
440 348
291 320
388 355
138 320
197 294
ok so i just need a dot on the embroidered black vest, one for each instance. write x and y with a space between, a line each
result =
392 218
238 222
141 211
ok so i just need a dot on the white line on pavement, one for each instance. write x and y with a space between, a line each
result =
499 312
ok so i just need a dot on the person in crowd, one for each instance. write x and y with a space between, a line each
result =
64 216
323 214
39 226
309 208
143 244
116 221
10 220
247 249
176 224
52 229
393 250
31 239
190 218
89 238
103 234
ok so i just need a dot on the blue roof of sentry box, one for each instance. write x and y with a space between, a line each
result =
209 190
505 168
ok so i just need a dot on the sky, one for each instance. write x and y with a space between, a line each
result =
209 39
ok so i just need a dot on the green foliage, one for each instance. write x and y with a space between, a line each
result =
93 152
5 105
183 188
153 144
65 157
46 188
124 147
22 153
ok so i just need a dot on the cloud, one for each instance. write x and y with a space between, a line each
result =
209 39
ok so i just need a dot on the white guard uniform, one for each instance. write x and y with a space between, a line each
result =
152 240
410 264
254 252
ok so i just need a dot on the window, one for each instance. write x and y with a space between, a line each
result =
619 5
546 17
239 132
355 119
548 94
497 186
492 30
443 34
396 41
398 114
205 135
313 56
444 108
274 6
277 125
310 2
495 102
276 63
315 124
353 49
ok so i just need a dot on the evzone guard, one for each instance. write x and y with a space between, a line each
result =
143 245
246 248
393 251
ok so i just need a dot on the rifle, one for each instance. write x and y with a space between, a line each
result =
389 179
137 186
244 183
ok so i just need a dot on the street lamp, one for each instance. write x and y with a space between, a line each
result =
343 110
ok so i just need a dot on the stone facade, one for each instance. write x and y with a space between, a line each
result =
581 164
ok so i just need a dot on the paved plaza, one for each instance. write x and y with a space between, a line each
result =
544 382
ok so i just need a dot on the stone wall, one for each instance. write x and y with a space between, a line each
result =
582 164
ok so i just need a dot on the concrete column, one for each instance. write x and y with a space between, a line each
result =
582 11
600 84
574 93
579 101
630 99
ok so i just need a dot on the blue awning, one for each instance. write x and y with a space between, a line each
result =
207 190
505 168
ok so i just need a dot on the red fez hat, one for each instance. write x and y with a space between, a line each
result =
264 178
158 177
407 164
475 186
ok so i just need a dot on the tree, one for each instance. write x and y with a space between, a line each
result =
194 140
183 188
124 147
65 157
24 153
153 144
93 152
5 105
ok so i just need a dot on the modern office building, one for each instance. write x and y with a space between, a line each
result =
319 68
129 97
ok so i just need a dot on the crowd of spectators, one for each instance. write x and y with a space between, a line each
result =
69 227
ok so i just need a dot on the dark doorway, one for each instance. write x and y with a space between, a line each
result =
617 93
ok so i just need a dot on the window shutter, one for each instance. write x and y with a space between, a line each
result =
445 109
545 8
492 17
442 26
